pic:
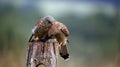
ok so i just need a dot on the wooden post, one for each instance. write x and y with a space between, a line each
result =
45 53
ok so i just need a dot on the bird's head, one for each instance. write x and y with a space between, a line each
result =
49 19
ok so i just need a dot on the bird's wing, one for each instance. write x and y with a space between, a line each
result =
39 22
64 30
56 27
38 25
40 30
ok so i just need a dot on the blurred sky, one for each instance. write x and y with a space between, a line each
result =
58 7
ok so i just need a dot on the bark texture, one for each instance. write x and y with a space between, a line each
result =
45 53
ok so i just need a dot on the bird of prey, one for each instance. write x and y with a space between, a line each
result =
48 28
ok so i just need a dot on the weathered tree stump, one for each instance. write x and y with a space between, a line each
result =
45 53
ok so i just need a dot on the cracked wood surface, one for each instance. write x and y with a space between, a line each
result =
45 53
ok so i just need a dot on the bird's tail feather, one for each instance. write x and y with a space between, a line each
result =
63 50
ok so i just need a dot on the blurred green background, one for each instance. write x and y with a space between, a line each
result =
94 30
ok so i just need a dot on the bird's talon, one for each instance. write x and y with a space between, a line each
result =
59 44
36 38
